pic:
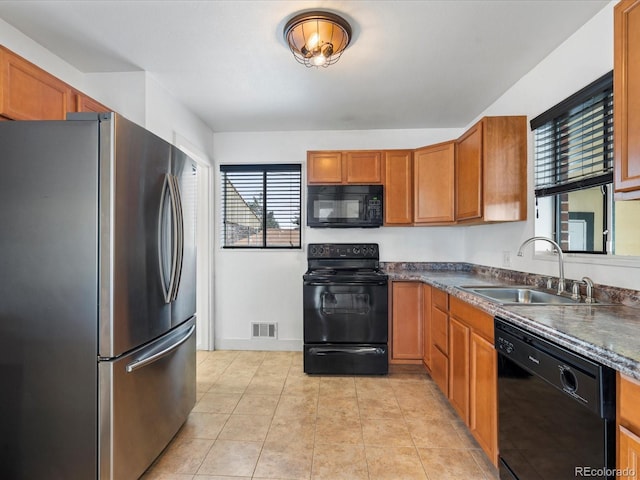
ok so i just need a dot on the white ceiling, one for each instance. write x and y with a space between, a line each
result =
411 64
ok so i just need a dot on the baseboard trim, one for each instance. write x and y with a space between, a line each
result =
258 344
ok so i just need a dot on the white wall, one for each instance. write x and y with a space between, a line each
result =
266 286
581 59
136 95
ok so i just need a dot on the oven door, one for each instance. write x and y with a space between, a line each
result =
346 312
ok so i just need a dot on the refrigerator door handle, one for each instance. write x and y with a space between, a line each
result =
168 286
137 364
179 225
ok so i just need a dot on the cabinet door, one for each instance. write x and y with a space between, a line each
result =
440 370
28 92
628 454
426 326
324 167
626 98
483 403
398 187
459 368
406 324
434 184
363 167
88 104
469 174
440 319
439 328
504 169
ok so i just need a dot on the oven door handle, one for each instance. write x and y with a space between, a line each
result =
353 350
333 283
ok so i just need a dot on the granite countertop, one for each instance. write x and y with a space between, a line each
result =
609 334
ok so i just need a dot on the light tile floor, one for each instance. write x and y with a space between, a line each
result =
258 416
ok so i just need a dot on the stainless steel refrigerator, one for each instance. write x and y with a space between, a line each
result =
97 297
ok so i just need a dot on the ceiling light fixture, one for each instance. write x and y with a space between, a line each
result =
316 38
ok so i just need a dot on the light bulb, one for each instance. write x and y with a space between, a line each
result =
313 41
318 60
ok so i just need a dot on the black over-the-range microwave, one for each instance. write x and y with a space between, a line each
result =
344 206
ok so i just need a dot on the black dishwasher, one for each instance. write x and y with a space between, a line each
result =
556 410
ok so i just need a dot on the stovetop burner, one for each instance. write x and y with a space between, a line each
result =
342 262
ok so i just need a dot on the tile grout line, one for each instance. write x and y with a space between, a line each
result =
415 447
364 446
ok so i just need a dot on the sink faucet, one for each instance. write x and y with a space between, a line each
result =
560 258
589 282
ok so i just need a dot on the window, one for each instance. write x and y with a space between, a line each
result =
574 169
261 206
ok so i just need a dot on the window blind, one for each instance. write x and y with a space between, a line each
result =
574 141
261 206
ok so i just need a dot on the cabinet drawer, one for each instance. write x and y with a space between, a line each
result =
440 329
481 322
440 370
440 299
628 401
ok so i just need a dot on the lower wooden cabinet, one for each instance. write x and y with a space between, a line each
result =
406 322
426 326
459 368
439 343
440 370
628 454
628 435
473 371
483 398
457 350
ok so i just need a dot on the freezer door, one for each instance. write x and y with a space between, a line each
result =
48 300
184 170
145 397
133 167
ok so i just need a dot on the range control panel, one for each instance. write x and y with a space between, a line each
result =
343 250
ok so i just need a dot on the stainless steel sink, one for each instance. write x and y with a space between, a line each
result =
521 295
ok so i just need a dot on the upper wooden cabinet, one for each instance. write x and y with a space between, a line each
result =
398 187
434 182
350 167
491 171
84 103
29 93
626 99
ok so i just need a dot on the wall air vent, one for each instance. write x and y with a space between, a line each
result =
264 330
